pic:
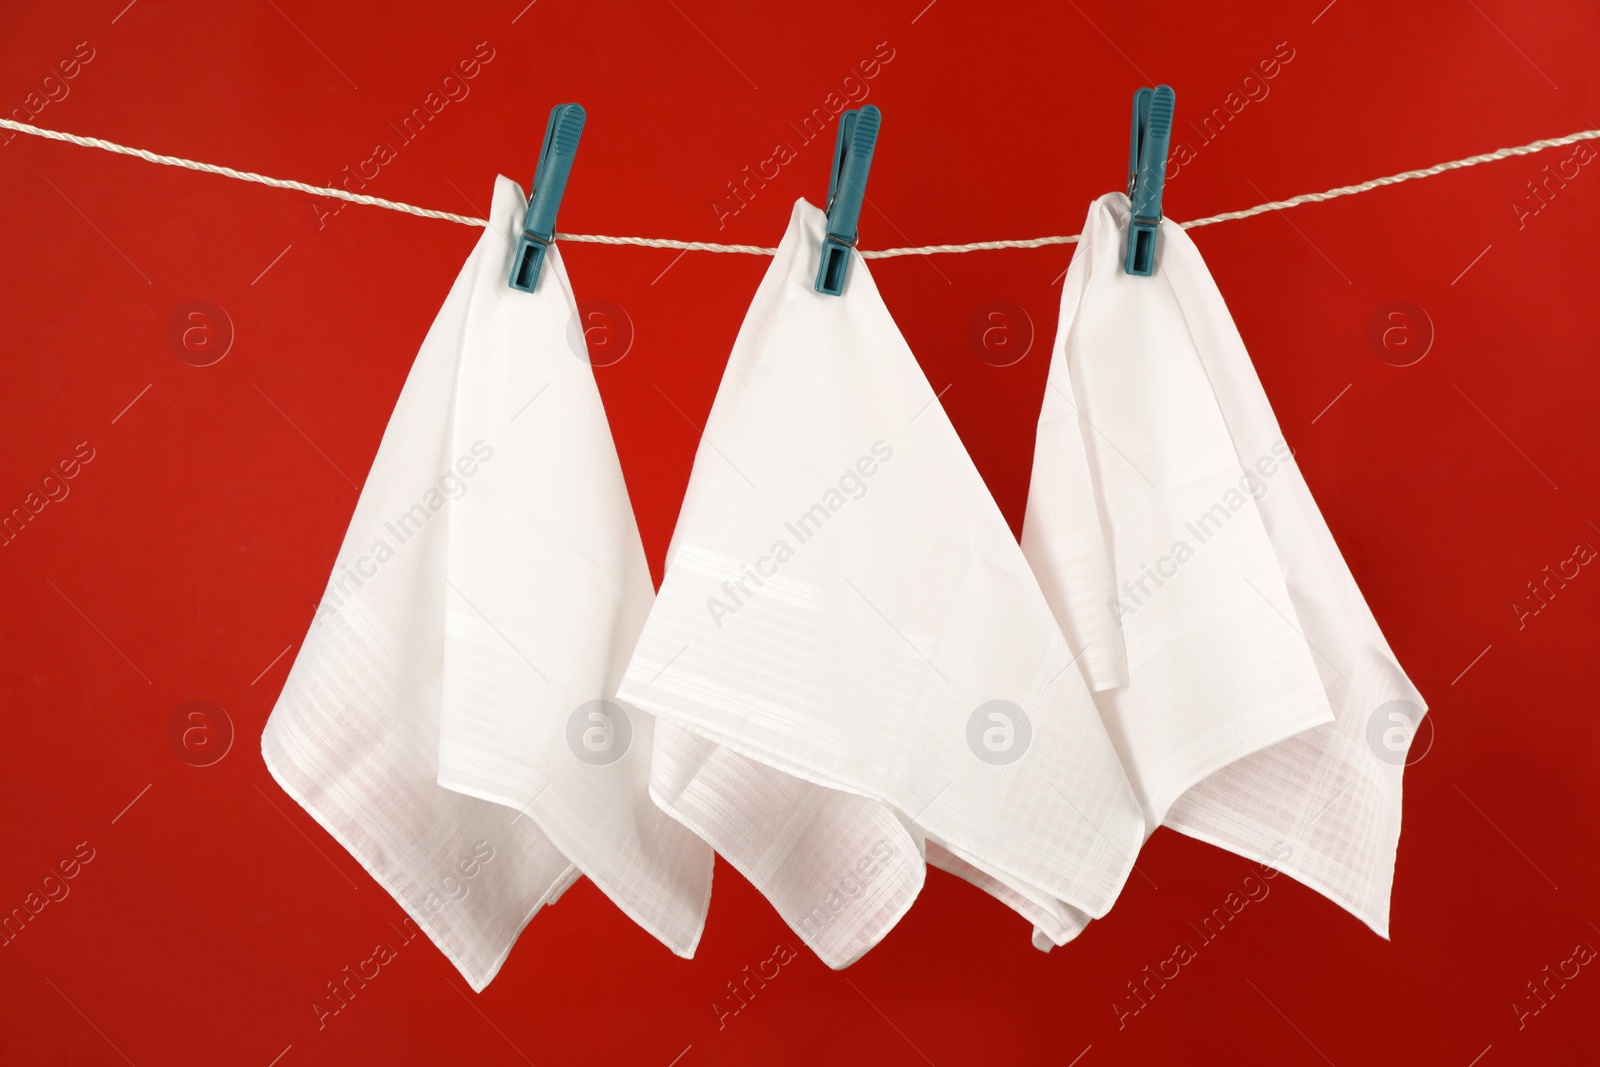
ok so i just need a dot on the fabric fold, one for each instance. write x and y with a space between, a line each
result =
354 736
1217 664
1323 806
845 605
839 868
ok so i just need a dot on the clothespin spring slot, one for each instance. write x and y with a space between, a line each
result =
835 261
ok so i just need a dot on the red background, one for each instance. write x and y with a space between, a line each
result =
192 549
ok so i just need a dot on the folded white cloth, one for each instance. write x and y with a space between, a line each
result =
1217 665
839 868
1253 663
548 591
456 694
844 604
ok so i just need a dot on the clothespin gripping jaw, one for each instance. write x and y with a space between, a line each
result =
847 187
561 136
1147 174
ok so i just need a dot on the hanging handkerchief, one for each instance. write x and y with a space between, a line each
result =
1217 663
1250 653
451 718
1325 805
548 588
844 604
354 738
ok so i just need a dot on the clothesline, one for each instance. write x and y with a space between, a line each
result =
758 250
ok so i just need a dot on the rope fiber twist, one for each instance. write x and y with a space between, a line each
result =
759 250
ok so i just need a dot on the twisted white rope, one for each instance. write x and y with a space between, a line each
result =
666 242
242 175
758 250
1395 179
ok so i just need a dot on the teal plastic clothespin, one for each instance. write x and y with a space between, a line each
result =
852 159
549 183
1147 174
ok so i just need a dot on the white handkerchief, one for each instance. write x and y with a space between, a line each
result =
1217 664
482 605
548 588
1229 594
845 604
354 738
1324 806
